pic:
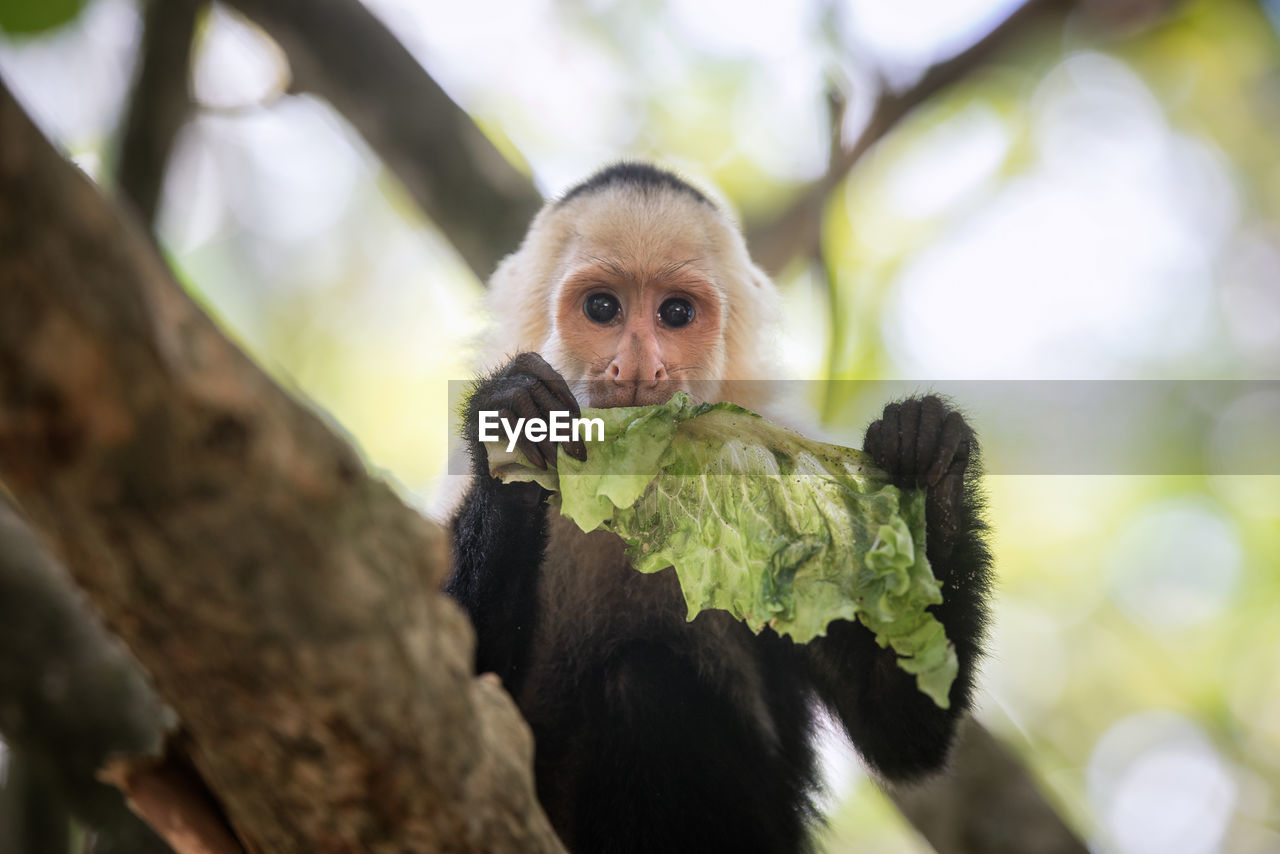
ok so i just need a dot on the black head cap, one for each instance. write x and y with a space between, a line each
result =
640 175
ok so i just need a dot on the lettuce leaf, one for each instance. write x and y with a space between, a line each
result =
778 530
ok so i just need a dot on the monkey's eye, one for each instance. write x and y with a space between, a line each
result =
676 312
601 308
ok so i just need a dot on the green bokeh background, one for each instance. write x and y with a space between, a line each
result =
1092 206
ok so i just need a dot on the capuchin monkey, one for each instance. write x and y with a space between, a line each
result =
654 733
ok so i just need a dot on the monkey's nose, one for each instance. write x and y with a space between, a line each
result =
640 374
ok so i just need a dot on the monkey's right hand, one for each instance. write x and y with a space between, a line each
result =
527 387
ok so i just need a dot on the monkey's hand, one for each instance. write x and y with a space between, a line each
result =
526 388
923 443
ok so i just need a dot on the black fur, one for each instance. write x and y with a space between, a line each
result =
923 443
633 175
640 746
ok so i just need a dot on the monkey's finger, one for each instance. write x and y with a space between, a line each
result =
874 443
945 502
871 441
522 403
547 399
524 363
953 448
959 441
576 449
538 367
525 407
933 413
556 385
889 441
908 438
546 403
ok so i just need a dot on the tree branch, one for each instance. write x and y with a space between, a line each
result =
159 104
285 604
173 800
797 230
81 701
339 50
986 804
31 817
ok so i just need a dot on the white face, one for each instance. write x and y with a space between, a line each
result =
637 314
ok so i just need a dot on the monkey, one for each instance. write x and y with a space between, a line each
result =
652 732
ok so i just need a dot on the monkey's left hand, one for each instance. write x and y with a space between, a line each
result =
923 443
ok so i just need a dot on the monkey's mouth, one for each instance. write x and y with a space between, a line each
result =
606 394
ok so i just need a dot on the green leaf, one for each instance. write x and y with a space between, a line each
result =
778 530
29 17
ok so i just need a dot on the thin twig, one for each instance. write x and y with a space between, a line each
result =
340 51
798 229
159 104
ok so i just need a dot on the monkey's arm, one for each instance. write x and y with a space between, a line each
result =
922 443
500 532
499 536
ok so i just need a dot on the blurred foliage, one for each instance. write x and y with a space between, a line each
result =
1089 207
29 17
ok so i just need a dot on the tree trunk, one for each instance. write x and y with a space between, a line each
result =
285 603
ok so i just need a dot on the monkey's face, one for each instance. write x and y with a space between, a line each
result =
637 312
634 330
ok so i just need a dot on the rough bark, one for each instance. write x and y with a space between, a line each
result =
285 603
175 802
340 51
